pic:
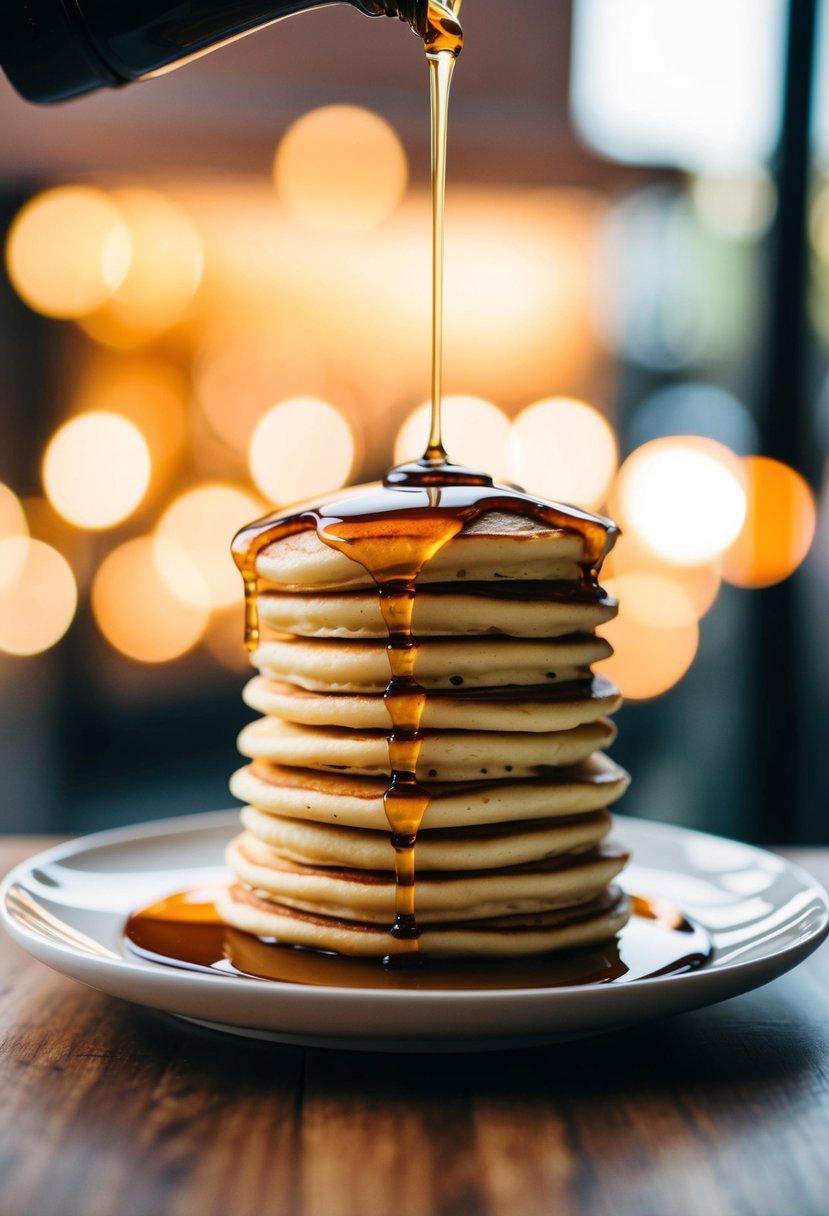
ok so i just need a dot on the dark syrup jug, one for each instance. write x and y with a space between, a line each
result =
54 49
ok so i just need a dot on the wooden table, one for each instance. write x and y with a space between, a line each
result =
111 1110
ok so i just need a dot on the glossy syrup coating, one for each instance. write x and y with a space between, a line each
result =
392 530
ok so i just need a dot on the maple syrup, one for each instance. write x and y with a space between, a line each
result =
185 931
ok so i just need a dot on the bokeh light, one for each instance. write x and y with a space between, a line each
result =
149 393
224 641
693 407
779 526
75 545
12 517
673 292
12 527
96 469
651 86
819 223
68 249
202 522
519 273
180 574
683 496
739 206
238 378
654 637
135 610
700 583
36 607
565 450
166 267
300 448
340 169
475 433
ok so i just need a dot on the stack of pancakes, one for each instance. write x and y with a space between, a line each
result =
511 857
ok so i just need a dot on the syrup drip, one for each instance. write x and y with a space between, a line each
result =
395 567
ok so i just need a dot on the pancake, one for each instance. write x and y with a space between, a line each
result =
358 801
498 545
538 708
504 937
437 611
369 895
472 848
444 755
335 665
495 720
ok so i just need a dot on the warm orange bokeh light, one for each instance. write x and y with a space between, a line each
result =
779 526
475 433
202 522
36 607
12 518
340 169
565 450
349 318
180 573
238 378
225 643
700 583
68 249
167 262
683 496
302 447
150 394
12 527
76 546
654 637
518 298
135 610
96 470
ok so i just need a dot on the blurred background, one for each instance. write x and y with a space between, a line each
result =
216 298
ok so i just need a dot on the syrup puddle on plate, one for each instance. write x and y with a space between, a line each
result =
184 931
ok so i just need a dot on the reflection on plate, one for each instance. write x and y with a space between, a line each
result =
68 908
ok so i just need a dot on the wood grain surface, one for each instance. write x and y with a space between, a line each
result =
110 1110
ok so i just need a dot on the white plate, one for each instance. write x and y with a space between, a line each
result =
67 907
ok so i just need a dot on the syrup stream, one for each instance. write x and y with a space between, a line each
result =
441 68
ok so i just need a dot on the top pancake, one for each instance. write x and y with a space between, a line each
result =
498 545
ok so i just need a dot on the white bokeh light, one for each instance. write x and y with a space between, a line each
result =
694 84
475 433
563 449
96 469
201 523
36 607
300 448
683 496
